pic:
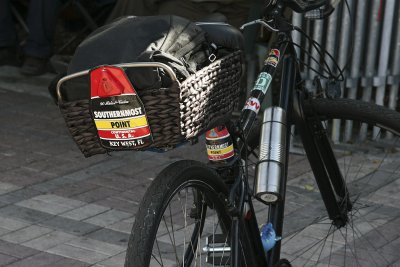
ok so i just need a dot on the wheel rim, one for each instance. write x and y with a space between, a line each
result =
183 228
369 168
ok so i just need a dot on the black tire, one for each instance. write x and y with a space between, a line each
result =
283 263
157 201
371 159
346 109
349 109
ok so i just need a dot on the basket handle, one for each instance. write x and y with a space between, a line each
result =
167 68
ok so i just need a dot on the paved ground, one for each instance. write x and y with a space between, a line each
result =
59 209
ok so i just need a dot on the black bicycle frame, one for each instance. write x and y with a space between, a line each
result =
250 235
317 148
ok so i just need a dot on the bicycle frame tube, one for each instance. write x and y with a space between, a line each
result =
253 104
276 210
282 52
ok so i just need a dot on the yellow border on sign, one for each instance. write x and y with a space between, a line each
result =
220 151
126 123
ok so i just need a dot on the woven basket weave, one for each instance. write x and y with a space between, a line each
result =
175 114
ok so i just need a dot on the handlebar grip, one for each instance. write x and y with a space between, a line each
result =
302 6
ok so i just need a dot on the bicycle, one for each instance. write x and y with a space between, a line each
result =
195 214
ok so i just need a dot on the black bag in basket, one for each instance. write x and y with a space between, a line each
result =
167 39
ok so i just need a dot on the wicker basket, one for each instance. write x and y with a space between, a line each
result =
175 114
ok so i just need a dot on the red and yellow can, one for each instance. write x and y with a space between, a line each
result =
219 145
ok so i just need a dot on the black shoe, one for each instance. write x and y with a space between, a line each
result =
34 66
8 56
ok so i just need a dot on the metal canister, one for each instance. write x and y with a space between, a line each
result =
219 145
271 162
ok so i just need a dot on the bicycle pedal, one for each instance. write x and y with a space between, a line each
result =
217 249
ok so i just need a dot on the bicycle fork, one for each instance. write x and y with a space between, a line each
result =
323 163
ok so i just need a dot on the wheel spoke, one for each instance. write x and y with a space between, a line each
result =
173 235
317 244
159 253
364 179
171 238
154 257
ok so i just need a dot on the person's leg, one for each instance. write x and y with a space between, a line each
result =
8 36
41 22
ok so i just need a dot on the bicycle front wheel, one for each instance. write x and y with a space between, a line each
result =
366 150
181 213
